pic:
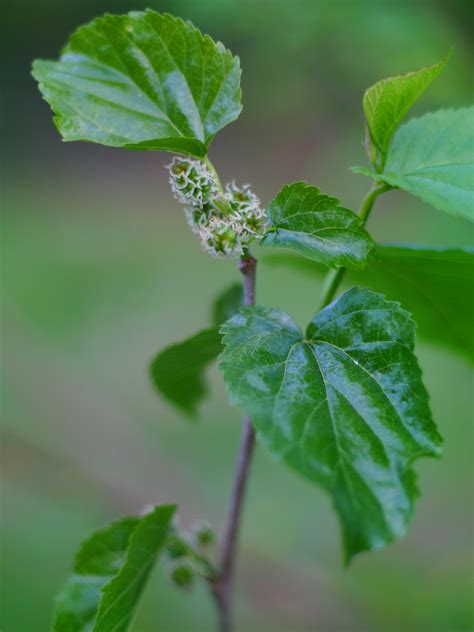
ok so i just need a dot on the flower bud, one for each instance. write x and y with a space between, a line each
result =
182 574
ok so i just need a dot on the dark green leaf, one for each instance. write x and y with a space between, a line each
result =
386 102
344 405
178 372
110 572
435 284
227 304
316 226
142 81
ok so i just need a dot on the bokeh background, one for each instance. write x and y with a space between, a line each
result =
100 272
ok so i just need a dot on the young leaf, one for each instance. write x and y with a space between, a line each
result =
142 81
432 157
178 372
110 572
344 405
386 102
315 225
435 283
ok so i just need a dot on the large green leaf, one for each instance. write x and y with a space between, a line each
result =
178 372
110 572
432 157
315 225
436 284
386 102
344 405
142 81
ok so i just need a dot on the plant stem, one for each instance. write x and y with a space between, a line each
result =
334 277
223 584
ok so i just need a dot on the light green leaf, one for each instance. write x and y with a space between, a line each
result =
386 102
110 572
142 81
435 284
178 372
343 405
315 225
432 157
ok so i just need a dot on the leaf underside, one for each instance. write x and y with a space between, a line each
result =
386 102
110 572
435 284
178 371
142 81
305 221
344 406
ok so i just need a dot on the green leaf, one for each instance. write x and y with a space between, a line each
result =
178 372
227 304
386 102
316 226
110 572
435 284
432 157
142 81
343 405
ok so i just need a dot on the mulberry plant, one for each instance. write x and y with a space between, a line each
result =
342 403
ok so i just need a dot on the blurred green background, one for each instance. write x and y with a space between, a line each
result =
100 272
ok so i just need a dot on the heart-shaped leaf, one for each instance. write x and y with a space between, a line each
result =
142 81
386 102
110 572
344 405
304 220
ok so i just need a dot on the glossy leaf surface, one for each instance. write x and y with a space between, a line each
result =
435 284
142 81
343 405
110 572
386 102
178 372
315 225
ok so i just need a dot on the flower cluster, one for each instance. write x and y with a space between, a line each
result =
186 553
226 221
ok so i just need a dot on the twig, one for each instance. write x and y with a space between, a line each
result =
223 584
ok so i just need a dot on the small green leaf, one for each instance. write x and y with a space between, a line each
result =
316 226
227 304
343 405
142 81
435 283
386 102
432 157
110 572
178 372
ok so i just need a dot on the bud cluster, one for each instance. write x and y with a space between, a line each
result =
225 221
186 552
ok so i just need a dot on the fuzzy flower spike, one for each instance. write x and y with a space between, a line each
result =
225 221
